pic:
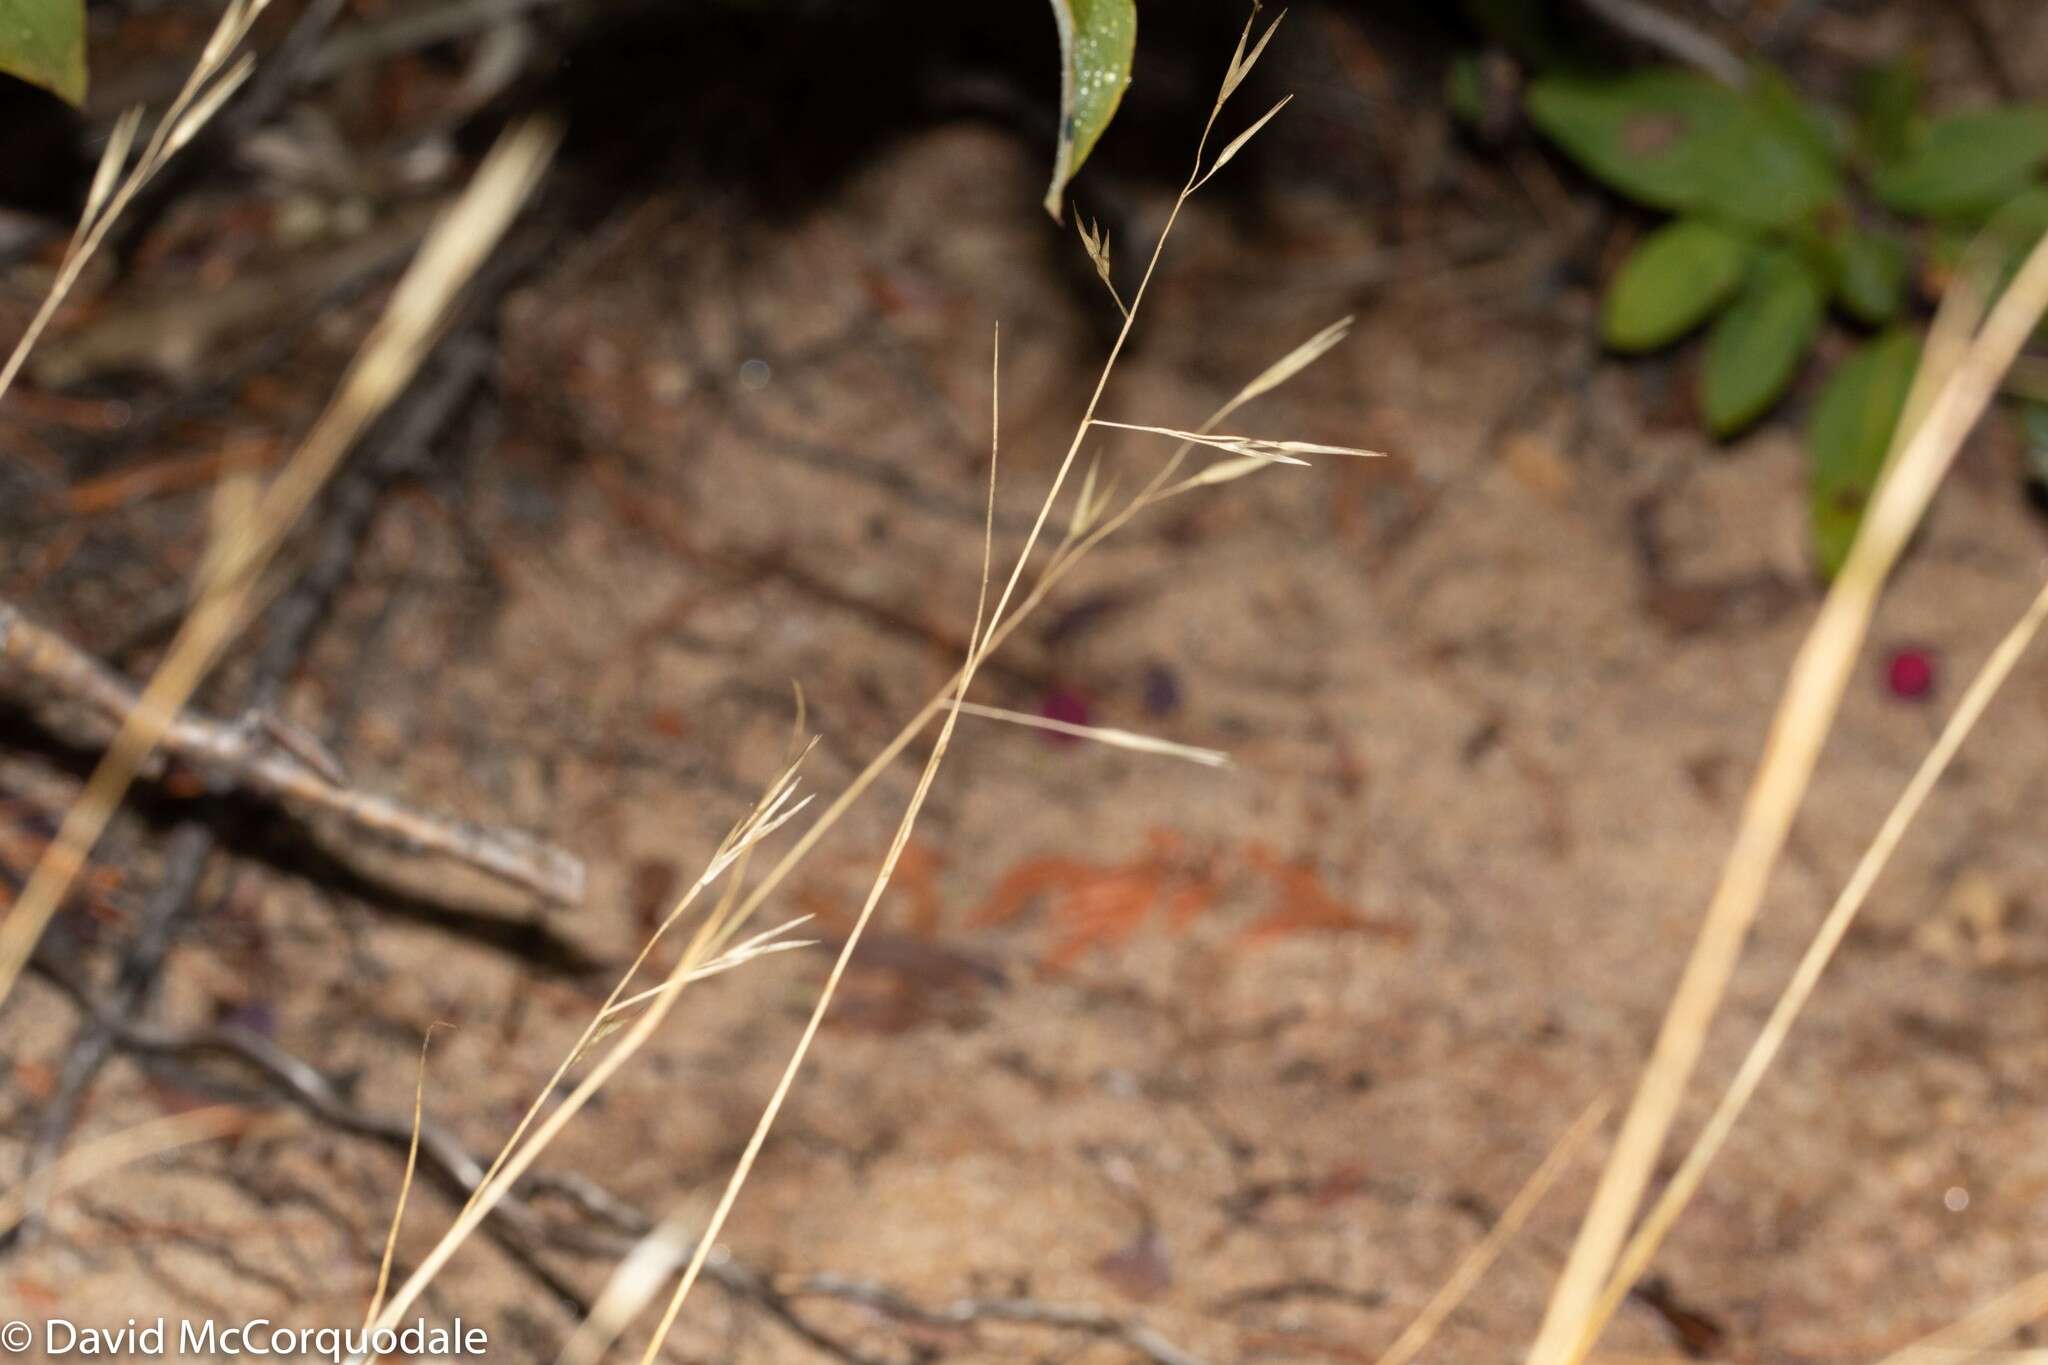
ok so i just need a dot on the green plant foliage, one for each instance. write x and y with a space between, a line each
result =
1870 274
1886 98
1645 134
1754 349
43 42
1675 140
1966 163
1849 436
1671 283
1097 38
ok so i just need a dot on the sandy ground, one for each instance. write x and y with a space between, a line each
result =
1271 1046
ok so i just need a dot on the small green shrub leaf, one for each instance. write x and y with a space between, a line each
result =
43 42
1870 275
1676 277
1754 348
1676 140
1849 435
1966 163
1887 97
1097 38
1643 134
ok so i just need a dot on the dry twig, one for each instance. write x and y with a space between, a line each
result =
258 754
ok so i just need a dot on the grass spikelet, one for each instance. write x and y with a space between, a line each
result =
1100 734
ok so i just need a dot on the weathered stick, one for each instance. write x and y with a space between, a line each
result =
263 757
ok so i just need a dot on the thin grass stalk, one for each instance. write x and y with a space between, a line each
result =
773 1108
516 1158
1473 1267
1805 714
384 364
1642 1248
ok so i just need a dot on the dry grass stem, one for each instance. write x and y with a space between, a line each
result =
412 1159
1480 1259
89 1162
1091 526
1100 734
1635 1258
1805 715
408 328
206 89
520 1150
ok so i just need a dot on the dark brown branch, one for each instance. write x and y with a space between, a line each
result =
249 756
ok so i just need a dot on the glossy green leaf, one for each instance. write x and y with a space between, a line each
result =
1870 275
1097 38
43 42
1677 140
1755 348
1849 436
1674 279
1967 162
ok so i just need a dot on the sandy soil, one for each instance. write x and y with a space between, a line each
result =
1271 1046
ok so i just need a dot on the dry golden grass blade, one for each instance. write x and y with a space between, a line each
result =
412 1161
111 192
113 160
1642 1248
1100 734
1805 715
726 920
1968 1340
760 945
1480 1259
1240 64
1257 447
408 328
1289 365
86 1163
520 1151
1236 144
976 651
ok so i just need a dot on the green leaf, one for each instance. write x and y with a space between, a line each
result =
1641 133
43 42
1886 98
1676 140
1097 38
1967 162
1849 436
1670 283
1870 275
1755 347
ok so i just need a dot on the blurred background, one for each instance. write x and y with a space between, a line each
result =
1250 1057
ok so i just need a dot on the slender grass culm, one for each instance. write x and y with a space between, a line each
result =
1091 520
1959 376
